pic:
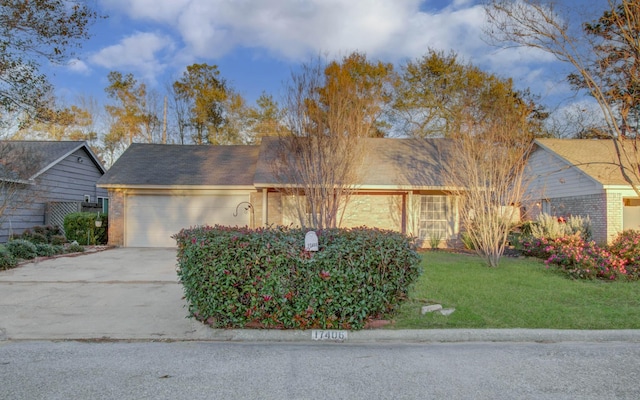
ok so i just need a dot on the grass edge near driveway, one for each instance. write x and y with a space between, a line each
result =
520 293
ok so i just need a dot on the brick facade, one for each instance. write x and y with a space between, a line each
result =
378 210
615 214
116 217
593 206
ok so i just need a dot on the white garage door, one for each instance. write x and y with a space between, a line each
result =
152 220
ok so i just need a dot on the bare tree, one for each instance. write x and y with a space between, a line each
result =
320 154
604 55
17 164
485 170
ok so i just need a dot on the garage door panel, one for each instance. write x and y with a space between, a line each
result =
152 220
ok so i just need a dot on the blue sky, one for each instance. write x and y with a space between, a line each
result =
256 43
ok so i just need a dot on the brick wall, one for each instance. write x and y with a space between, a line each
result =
615 208
374 210
594 206
116 217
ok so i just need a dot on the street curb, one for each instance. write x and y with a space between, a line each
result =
374 336
434 336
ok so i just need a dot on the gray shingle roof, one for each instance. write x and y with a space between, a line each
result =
387 162
44 154
182 165
596 158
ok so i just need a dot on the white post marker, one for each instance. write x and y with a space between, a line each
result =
311 241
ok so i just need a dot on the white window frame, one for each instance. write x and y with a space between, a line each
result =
433 220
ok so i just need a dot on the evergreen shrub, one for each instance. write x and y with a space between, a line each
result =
237 277
7 260
81 227
21 248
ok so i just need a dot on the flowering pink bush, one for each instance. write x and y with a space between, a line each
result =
578 258
627 247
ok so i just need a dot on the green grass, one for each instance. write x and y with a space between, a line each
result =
520 293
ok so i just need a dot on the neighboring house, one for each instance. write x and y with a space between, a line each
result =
582 177
55 178
156 190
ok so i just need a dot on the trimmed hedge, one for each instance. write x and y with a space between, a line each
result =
80 227
233 277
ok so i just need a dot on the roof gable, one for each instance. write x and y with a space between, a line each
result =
155 165
45 154
595 158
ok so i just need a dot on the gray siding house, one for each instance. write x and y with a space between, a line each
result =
582 177
41 181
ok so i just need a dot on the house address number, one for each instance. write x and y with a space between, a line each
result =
318 334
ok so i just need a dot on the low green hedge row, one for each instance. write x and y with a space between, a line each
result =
237 277
19 249
43 234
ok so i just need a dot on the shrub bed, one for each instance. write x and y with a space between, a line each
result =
627 246
233 277
42 241
581 259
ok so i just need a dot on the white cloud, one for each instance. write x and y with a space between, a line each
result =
142 51
78 66
155 10
293 30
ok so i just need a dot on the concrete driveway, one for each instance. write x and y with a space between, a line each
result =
122 293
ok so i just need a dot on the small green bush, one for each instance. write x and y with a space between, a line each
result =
23 249
39 234
80 227
7 260
58 240
47 250
552 227
74 248
434 241
50 232
237 276
467 241
37 238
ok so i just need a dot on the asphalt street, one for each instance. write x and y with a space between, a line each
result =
215 370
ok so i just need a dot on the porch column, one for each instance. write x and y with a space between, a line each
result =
265 207
403 226
409 211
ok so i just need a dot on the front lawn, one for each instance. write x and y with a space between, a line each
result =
520 293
